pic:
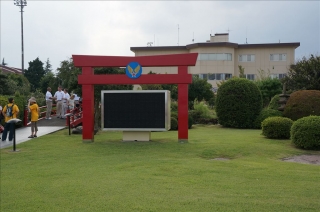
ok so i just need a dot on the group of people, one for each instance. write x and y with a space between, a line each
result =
10 111
64 102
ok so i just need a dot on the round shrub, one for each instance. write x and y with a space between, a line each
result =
274 102
174 115
305 132
238 103
302 103
265 113
277 127
174 124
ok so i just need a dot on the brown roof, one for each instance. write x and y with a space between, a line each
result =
216 44
6 69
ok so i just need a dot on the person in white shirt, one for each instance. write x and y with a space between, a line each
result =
76 100
48 103
71 102
58 97
65 99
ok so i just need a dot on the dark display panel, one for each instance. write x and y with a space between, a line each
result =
134 110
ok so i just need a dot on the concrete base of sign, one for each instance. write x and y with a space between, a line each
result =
183 140
136 136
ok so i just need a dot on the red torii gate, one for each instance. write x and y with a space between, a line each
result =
87 79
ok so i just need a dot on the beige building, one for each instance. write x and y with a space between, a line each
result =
220 59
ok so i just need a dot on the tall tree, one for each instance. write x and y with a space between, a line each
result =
67 76
34 73
269 88
305 74
47 67
200 89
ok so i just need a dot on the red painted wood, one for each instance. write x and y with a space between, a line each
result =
143 79
188 59
183 106
88 107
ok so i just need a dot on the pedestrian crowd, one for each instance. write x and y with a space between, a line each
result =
61 97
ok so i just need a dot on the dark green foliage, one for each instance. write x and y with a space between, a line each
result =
238 103
274 102
174 106
302 103
190 122
305 132
269 87
265 113
174 114
277 127
4 84
305 74
34 73
174 124
199 89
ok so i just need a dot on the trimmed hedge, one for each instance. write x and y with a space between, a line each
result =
238 103
277 127
274 102
265 113
302 103
174 124
305 132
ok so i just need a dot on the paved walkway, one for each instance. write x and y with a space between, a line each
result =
23 133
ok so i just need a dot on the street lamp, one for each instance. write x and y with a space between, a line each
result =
21 4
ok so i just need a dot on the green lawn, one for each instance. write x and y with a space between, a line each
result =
58 172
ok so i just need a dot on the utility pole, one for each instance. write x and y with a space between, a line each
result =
21 4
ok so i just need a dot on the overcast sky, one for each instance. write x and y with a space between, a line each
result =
58 29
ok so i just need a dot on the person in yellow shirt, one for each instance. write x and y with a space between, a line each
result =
10 111
34 109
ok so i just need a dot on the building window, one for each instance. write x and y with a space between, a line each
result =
218 76
250 76
247 58
278 57
215 56
277 76
211 76
203 76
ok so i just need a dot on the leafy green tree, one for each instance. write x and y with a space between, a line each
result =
4 84
48 80
269 88
304 75
67 76
19 83
34 73
241 72
200 89
47 67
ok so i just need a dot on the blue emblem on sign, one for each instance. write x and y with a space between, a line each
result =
133 70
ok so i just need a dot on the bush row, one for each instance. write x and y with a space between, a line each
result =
304 133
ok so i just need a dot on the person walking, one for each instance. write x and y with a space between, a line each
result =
34 109
58 97
10 111
48 103
71 102
65 99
